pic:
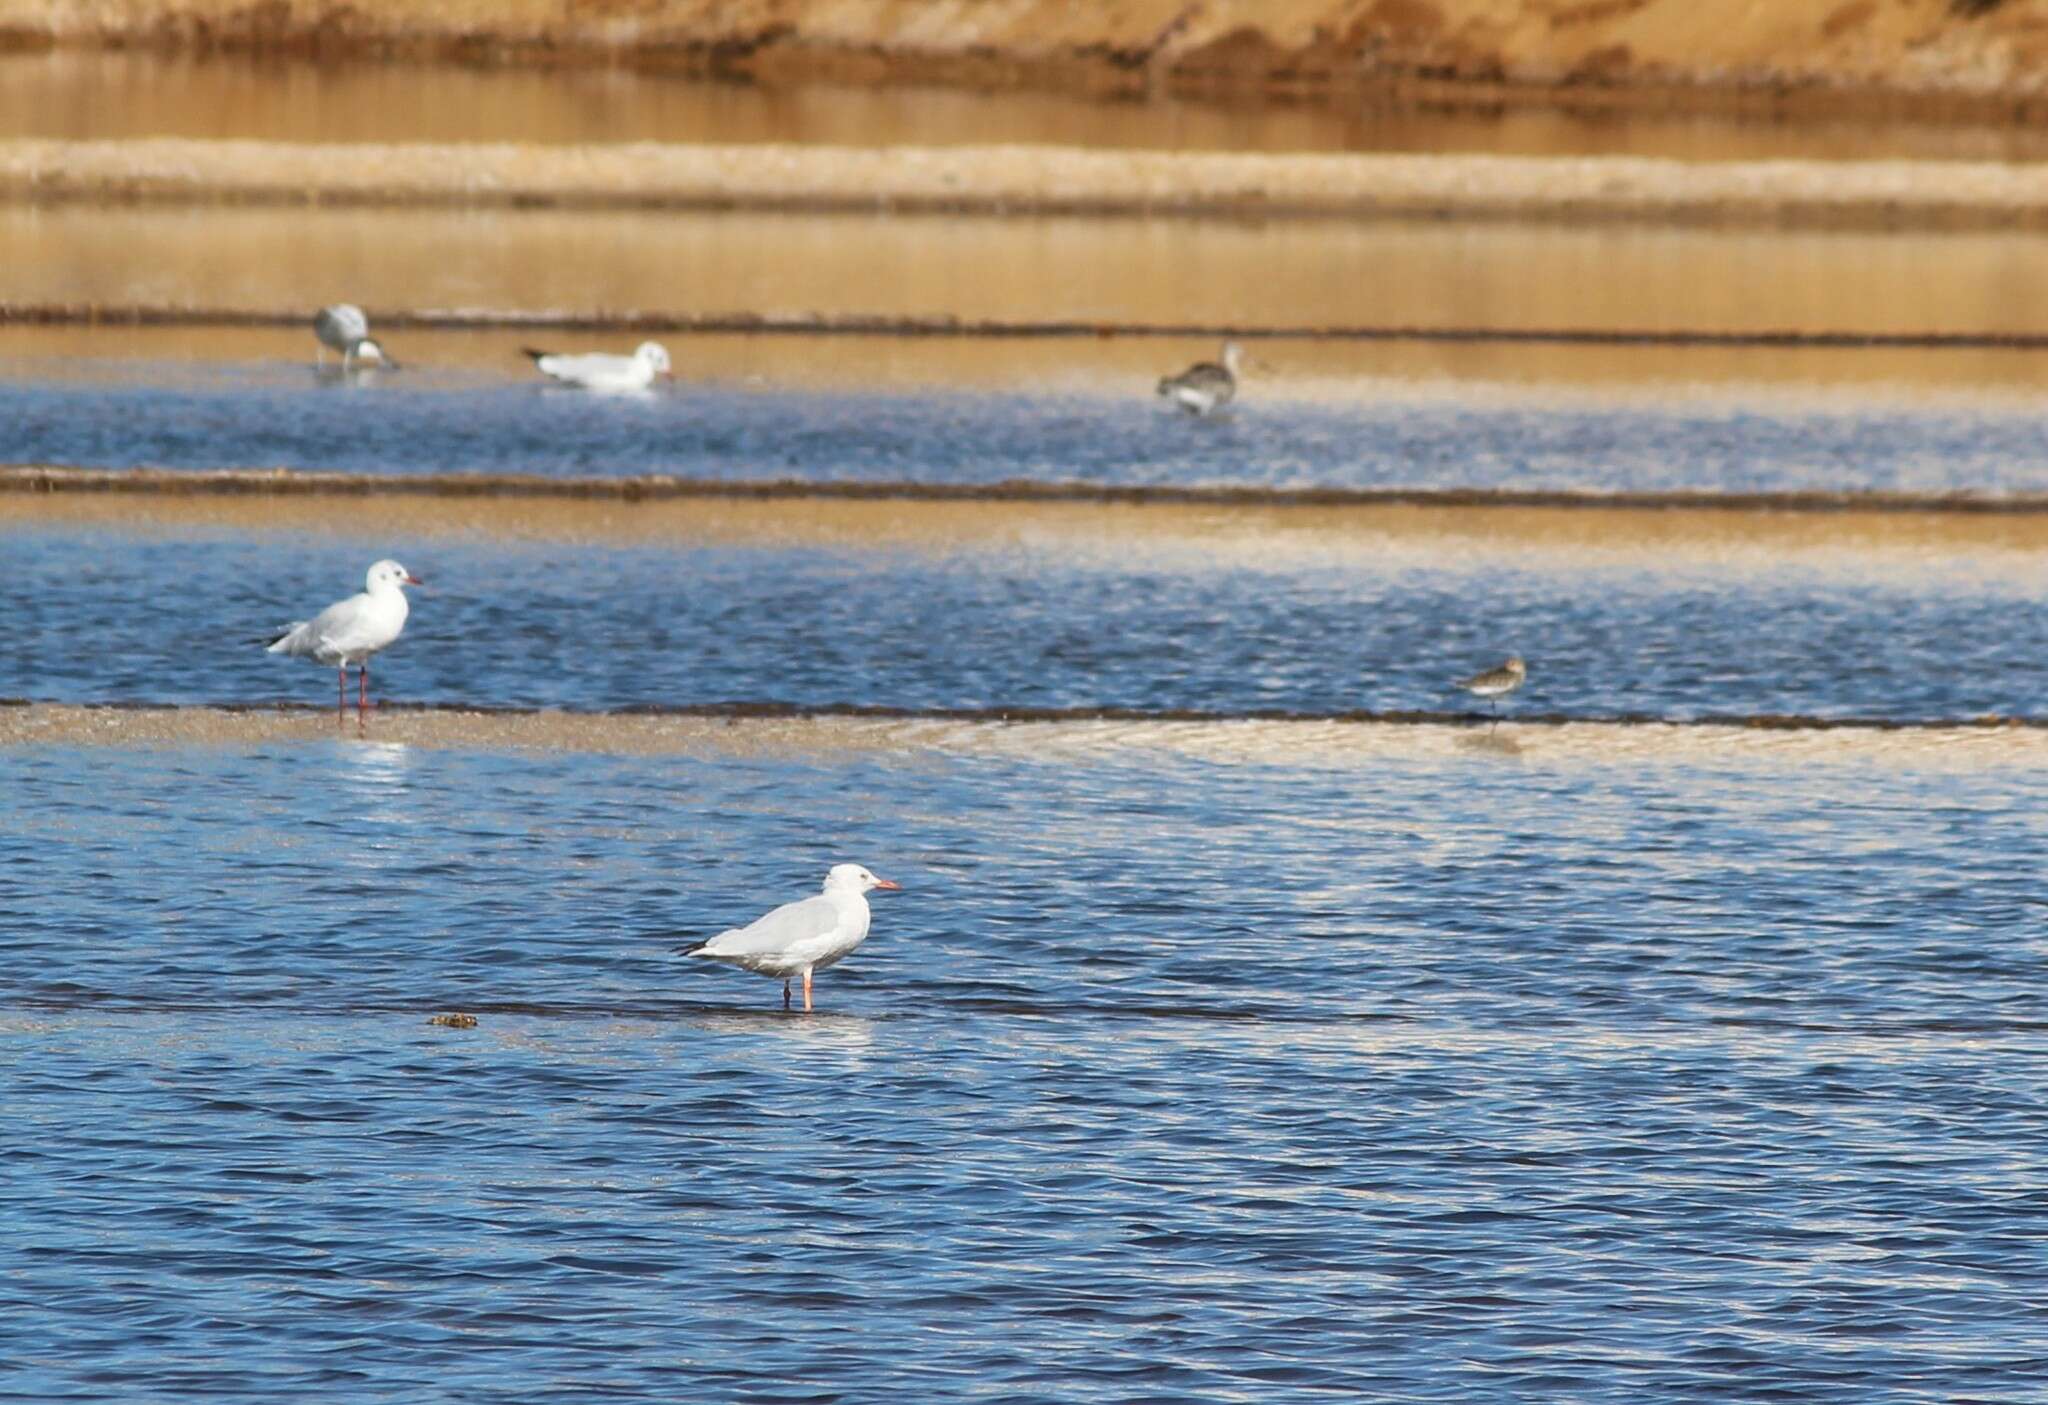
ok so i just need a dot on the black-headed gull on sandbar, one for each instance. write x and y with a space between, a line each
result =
349 631
802 937
598 370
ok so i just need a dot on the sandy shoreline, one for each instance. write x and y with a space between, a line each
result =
1017 180
1934 57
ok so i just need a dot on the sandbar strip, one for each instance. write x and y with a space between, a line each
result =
46 479
1035 180
820 324
1347 743
2003 554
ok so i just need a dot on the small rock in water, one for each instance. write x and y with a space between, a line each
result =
455 1021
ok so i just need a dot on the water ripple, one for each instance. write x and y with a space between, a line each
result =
1161 1080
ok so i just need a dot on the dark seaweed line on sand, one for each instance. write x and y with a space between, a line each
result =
874 325
66 997
44 478
747 710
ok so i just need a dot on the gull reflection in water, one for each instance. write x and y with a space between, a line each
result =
821 1029
377 778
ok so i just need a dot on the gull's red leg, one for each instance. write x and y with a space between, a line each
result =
807 990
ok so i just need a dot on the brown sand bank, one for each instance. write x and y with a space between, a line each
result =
38 483
1104 273
1980 55
2000 553
98 94
1026 179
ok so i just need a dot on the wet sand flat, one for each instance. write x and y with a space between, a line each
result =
1103 274
101 95
1338 744
1029 179
1585 531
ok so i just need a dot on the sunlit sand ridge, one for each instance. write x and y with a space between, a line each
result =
1322 744
1868 194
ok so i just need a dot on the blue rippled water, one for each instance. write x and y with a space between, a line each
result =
1490 1071
446 422
1495 1077
100 616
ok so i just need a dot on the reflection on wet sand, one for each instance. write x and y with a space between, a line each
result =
1152 271
1322 744
1492 742
86 95
2002 553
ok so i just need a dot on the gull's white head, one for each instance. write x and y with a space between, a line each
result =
368 350
389 575
852 875
654 354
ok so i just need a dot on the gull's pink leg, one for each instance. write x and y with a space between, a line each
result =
785 995
807 990
341 691
362 687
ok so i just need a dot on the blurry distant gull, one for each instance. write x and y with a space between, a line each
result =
349 631
597 370
344 328
1496 683
1205 387
801 937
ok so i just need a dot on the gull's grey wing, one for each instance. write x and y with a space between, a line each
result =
584 366
340 625
341 326
779 930
336 629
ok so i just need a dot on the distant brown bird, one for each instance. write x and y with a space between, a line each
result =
1496 683
1205 387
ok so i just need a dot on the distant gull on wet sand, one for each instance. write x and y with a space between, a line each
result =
597 370
801 937
1205 387
344 328
1496 682
349 631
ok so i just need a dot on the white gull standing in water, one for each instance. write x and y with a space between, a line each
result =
801 937
598 370
344 328
1205 387
349 631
